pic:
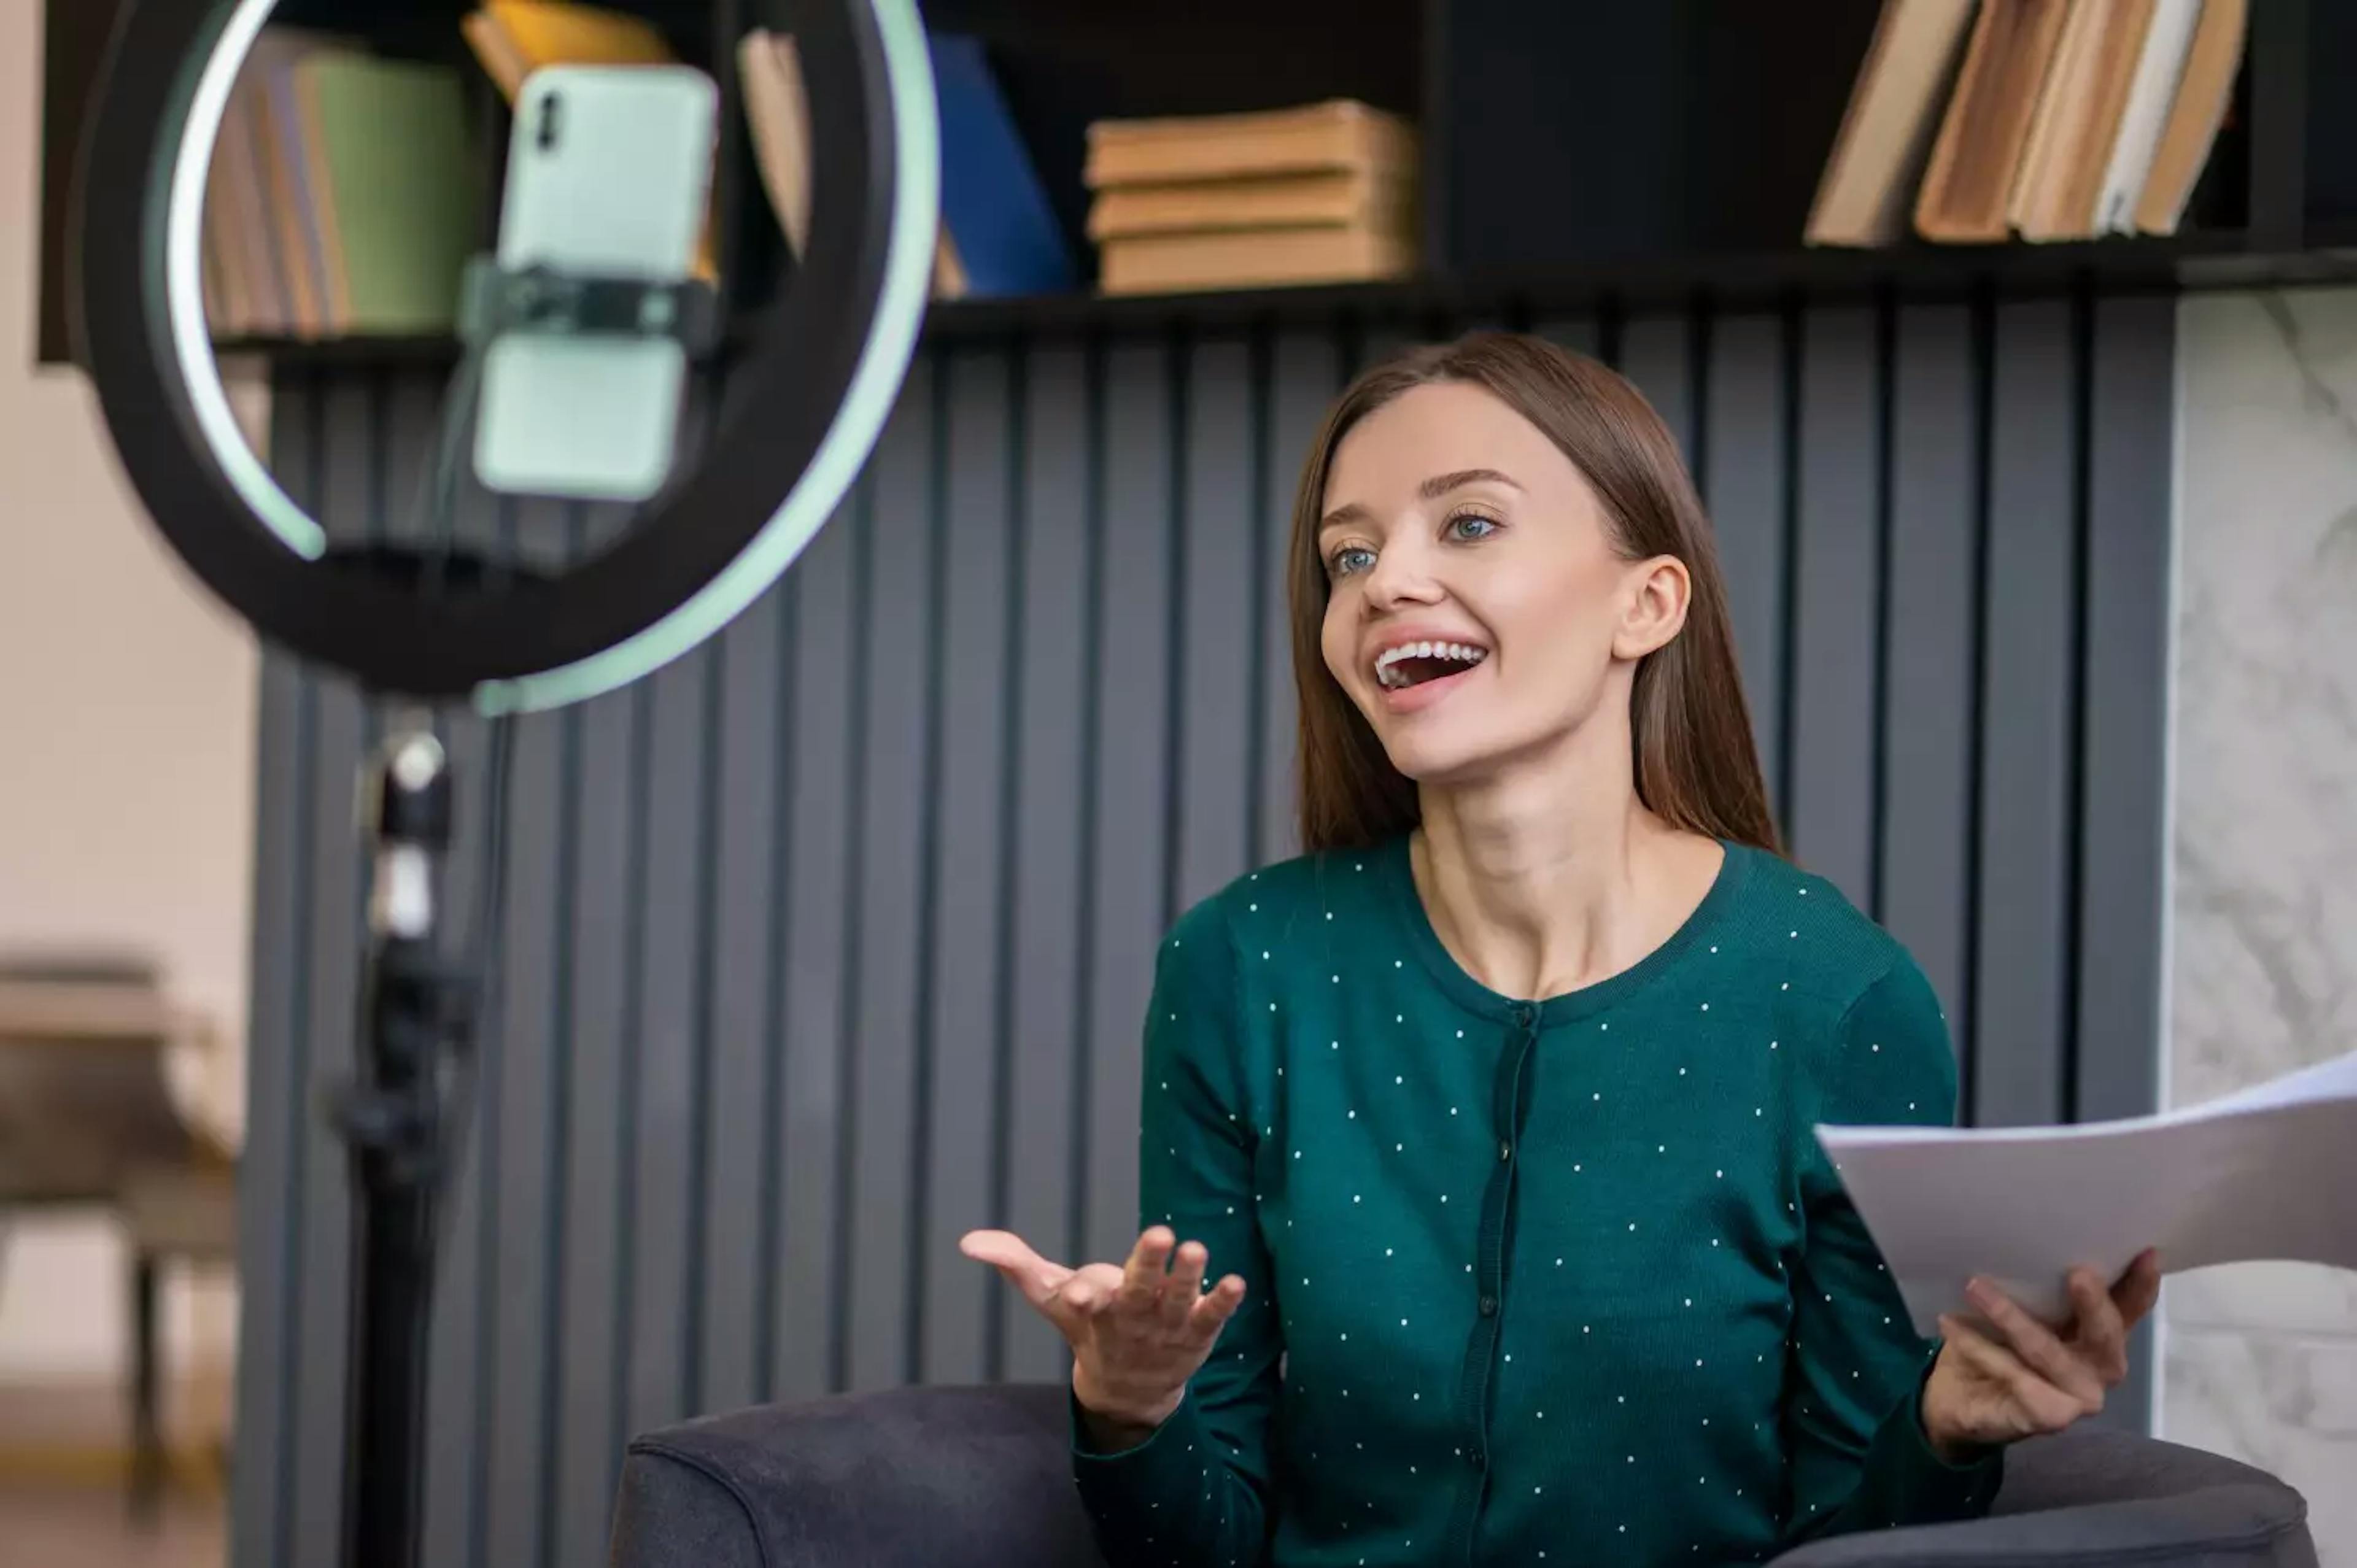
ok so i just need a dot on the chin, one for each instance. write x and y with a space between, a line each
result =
1437 754
1462 743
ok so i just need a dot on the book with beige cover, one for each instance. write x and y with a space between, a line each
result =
1373 197
1319 193
1169 263
1886 133
1340 133
2061 172
2204 90
1969 182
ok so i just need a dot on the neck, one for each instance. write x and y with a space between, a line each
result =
1550 874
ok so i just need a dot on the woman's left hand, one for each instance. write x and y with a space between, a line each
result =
2019 1377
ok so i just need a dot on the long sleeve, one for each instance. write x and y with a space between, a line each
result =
1195 1493
1859 1457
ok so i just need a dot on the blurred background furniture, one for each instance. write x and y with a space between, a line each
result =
976 1475
87 1118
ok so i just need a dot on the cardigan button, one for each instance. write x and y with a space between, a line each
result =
1488 1306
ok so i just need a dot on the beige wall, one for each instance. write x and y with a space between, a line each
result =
126 696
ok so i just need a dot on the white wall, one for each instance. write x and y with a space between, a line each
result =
126 790
2260 1360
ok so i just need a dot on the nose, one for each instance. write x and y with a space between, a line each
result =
1401 575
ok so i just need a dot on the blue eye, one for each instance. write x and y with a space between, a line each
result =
1472 525
1350 558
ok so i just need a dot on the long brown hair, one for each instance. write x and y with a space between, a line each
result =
1696 765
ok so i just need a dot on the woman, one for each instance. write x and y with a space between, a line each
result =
1493 1111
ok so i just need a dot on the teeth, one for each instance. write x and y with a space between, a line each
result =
1387 663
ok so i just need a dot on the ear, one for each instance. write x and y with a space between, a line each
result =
1653 606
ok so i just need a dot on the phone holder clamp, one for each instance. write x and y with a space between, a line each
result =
498 301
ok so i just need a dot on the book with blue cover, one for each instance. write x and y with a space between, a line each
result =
993 203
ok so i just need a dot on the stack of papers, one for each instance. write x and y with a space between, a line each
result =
2269 1173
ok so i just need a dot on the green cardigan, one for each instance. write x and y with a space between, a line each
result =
1566 1279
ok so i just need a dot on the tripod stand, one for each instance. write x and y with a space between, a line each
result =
415 1007
404 1112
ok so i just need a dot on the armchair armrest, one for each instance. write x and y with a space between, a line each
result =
2091 1496
916 1477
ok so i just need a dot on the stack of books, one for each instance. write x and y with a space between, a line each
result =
2064 120
1323 193
343 196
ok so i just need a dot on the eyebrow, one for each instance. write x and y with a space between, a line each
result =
1432 489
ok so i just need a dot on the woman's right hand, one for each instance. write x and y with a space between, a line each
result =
1138 1332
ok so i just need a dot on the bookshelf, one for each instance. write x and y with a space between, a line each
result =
1573 157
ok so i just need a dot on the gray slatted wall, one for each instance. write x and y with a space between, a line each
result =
828 942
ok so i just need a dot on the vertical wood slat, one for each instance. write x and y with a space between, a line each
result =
1214 678
951 763
526 1059
1745 469
661 1088
892 825
453 1483
968 903
512 1304
1929 646
2121 806
1835 608
2027 688
1044 912
602 922
814 1033
1304 373
730 1185
1654 356
1131 775
1576 333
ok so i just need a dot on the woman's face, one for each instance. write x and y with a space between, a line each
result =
1477 607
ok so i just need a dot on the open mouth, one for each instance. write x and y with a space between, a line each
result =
1414 664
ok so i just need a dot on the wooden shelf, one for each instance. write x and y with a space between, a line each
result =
1651 170
1910 273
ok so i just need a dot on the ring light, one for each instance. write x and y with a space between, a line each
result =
811 395
810 400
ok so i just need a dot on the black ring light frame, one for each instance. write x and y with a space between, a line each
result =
809 401
810 404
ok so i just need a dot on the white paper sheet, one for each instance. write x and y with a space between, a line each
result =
2270 1172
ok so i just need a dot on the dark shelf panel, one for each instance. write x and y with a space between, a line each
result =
1927 273
392 352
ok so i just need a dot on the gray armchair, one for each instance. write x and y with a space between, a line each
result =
980 1478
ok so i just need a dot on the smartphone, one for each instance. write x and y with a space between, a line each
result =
608 171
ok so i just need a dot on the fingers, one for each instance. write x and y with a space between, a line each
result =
2139 1289
1034 1275
1209 1313
2100 1336
1185 1286
1146 1288
2038 1404
2035 1345
1142 1277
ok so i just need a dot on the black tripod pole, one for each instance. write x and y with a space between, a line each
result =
411 1009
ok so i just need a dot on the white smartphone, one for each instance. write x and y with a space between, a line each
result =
608 171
